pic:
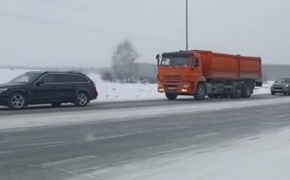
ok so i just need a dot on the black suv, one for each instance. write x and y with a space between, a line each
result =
48 87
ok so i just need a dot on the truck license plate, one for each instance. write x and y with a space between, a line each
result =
171 88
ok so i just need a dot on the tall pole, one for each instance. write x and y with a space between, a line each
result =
186 24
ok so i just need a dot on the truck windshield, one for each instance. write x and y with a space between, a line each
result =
175 61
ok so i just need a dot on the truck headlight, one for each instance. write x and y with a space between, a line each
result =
186 86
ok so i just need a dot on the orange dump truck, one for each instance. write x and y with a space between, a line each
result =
201 73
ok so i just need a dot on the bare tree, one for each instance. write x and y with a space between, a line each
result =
123 62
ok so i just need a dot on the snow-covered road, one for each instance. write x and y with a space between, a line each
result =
264 156
198 145
79 117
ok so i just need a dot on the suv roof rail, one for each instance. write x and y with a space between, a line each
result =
75 72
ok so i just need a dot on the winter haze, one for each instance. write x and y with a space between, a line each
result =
85 32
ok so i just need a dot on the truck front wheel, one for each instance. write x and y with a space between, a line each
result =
200 92
171 96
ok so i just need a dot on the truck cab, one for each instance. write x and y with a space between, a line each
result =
179 73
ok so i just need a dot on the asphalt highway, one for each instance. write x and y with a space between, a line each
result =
95 105
86 151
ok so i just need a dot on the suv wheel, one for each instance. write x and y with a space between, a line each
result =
16 101
82 99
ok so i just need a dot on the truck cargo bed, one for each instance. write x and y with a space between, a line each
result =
229 66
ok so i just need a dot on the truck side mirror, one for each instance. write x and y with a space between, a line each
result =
157 56
158 59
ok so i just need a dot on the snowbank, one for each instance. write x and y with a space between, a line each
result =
265 89
119 92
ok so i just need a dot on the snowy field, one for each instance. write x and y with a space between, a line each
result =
119 92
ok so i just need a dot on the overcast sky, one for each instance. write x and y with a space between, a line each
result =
85 32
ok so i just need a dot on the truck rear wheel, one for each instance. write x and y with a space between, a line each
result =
171 96
200 92
246 93
237 91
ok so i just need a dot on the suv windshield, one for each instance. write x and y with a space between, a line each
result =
284 80
175 61
26 77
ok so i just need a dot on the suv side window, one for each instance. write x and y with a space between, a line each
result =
49 78
63 78
71 78
78 78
